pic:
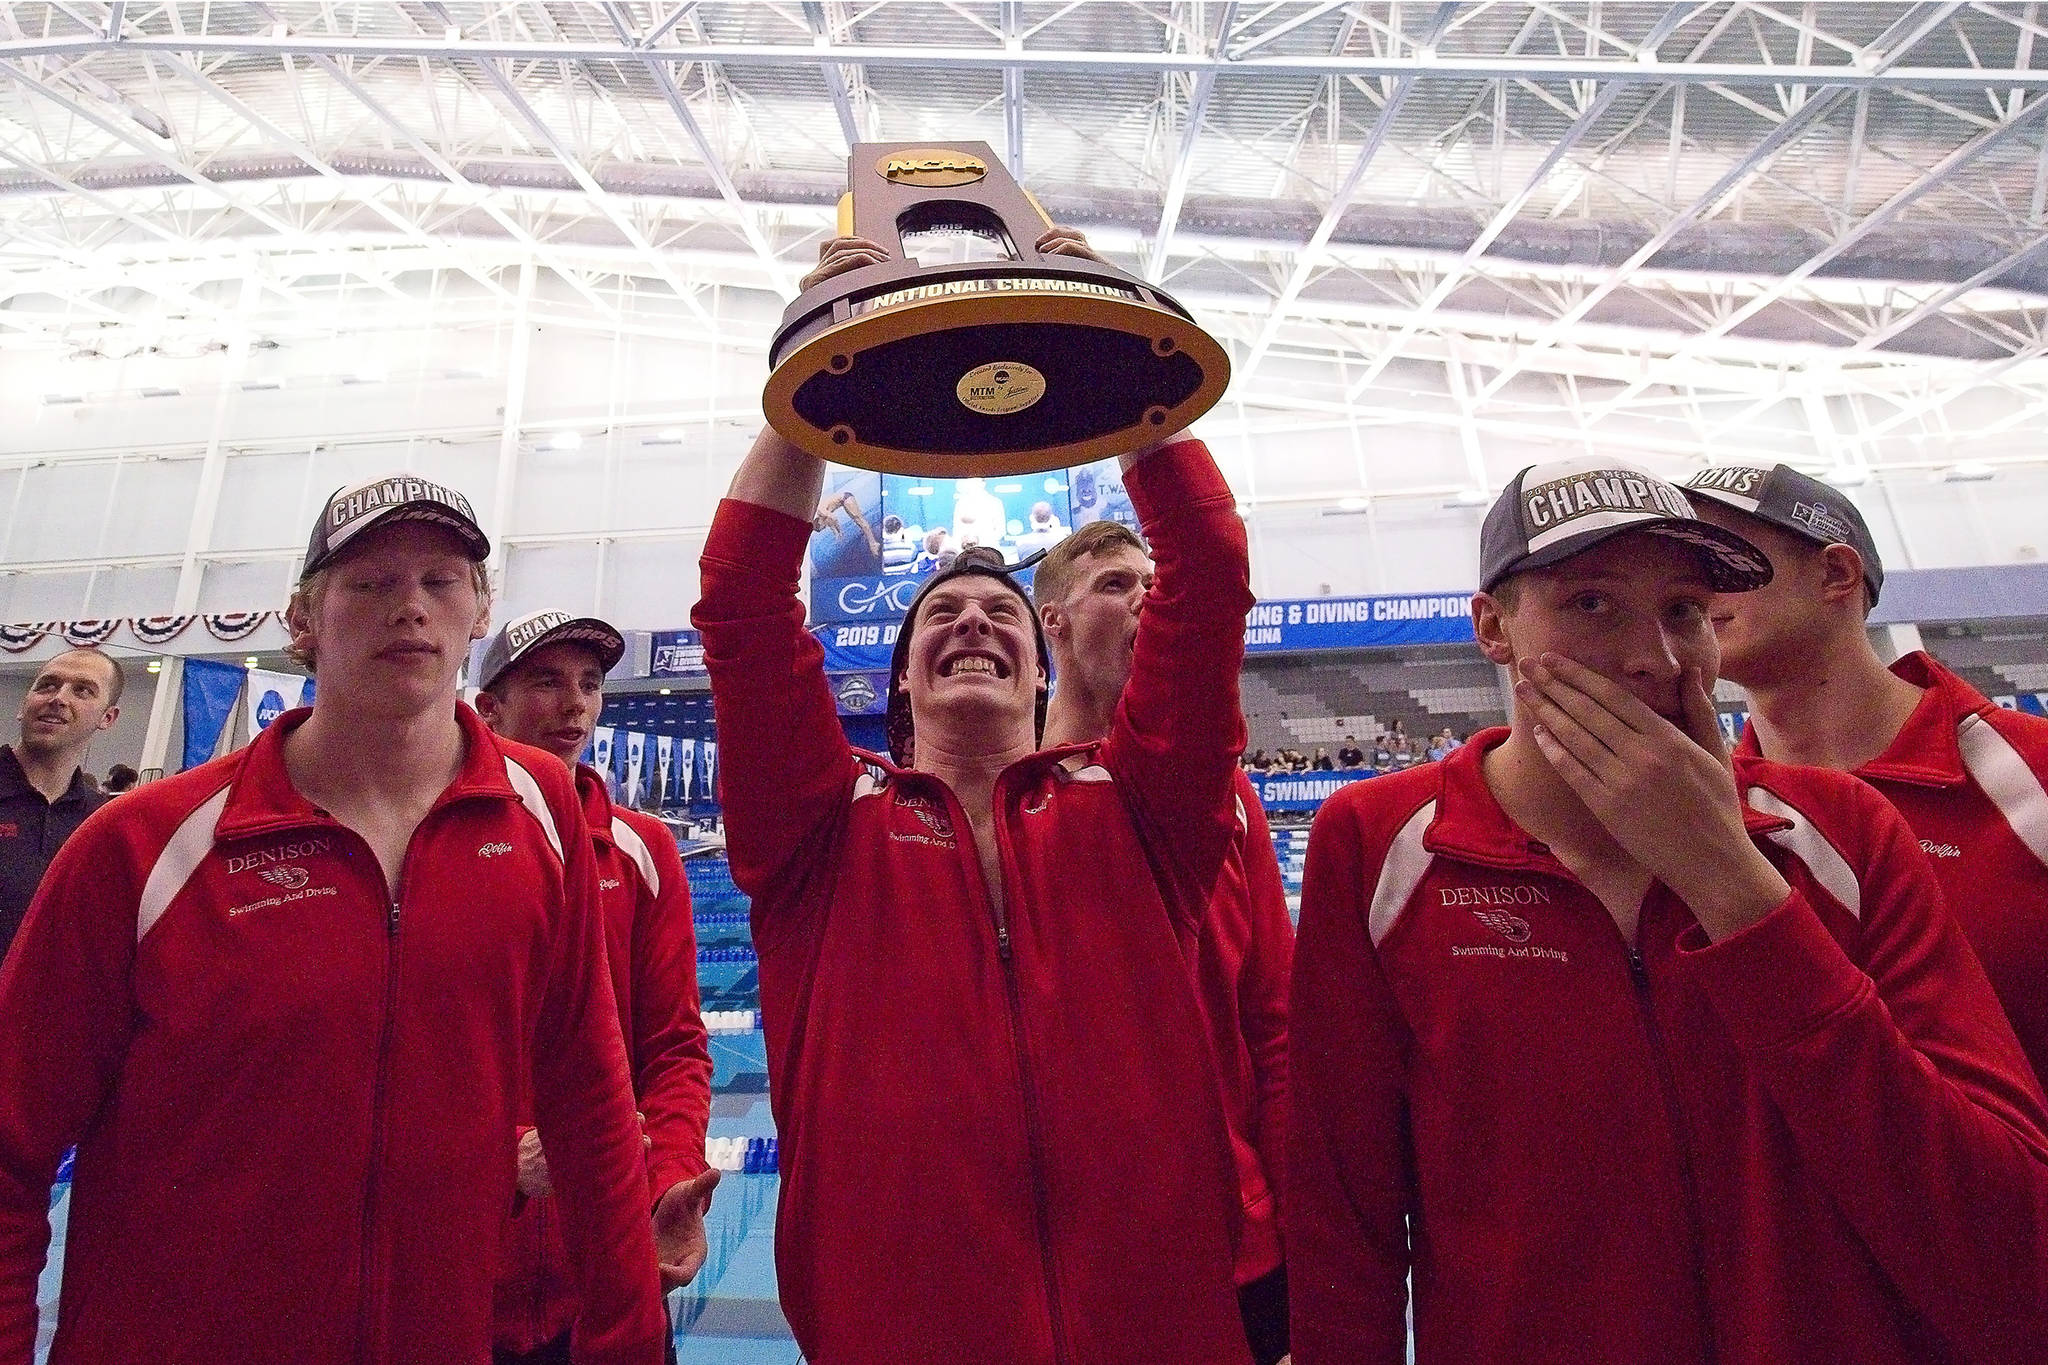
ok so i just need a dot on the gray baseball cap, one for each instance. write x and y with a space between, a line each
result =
1795 502
394 497
518 638
1550 512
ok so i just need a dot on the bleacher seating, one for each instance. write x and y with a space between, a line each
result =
1303 704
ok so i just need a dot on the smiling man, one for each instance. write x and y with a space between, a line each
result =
1617 1055
44 794
1001 1133
287 1005
542 680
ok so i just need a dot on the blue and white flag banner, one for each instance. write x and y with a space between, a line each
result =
210 688
664 767
686 772
636 764
269 695
601 741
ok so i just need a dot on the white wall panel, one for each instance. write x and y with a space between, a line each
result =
129 591
651 584
62 505
541 576
263 585
151 509
263 501
558 490
42 596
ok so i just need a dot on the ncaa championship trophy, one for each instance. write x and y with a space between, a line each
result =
986 367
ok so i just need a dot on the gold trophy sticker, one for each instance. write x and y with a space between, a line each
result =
1000 387
932 168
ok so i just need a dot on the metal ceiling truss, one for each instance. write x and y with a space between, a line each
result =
1590 222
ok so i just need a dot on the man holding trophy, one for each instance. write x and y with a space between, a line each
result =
1001 1132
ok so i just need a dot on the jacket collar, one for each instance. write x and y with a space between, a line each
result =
1471 824
1060 755
597 804
1928 751
262 799
14 781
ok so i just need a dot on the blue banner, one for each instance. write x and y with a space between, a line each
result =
1272 628
861 648
1442 618
864 599
677 654
862 694
211 690
1302 791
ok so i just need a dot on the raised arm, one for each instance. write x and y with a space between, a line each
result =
1178 730
1903 1086
785 766
1349 1180
583 1101
66 1017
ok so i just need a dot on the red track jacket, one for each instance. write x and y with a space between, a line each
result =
1241 972
652 945
1967 775
1001 1141
293 1097
1814 1141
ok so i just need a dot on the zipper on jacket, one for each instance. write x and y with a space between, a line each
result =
1639 974
369 1311
1041 1197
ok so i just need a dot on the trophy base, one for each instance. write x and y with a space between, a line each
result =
1012 374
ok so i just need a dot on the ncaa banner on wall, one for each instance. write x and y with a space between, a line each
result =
686 771
268 695
664 764
636 765
601 745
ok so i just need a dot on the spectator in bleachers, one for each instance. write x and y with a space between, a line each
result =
1350 755
1967 775
1383 754
1440 745
1322 763
1782 1119
1258 762
1089 592
1002 1134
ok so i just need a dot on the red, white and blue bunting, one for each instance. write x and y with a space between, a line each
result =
157 631
234 625
15 639
85 634
151 632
